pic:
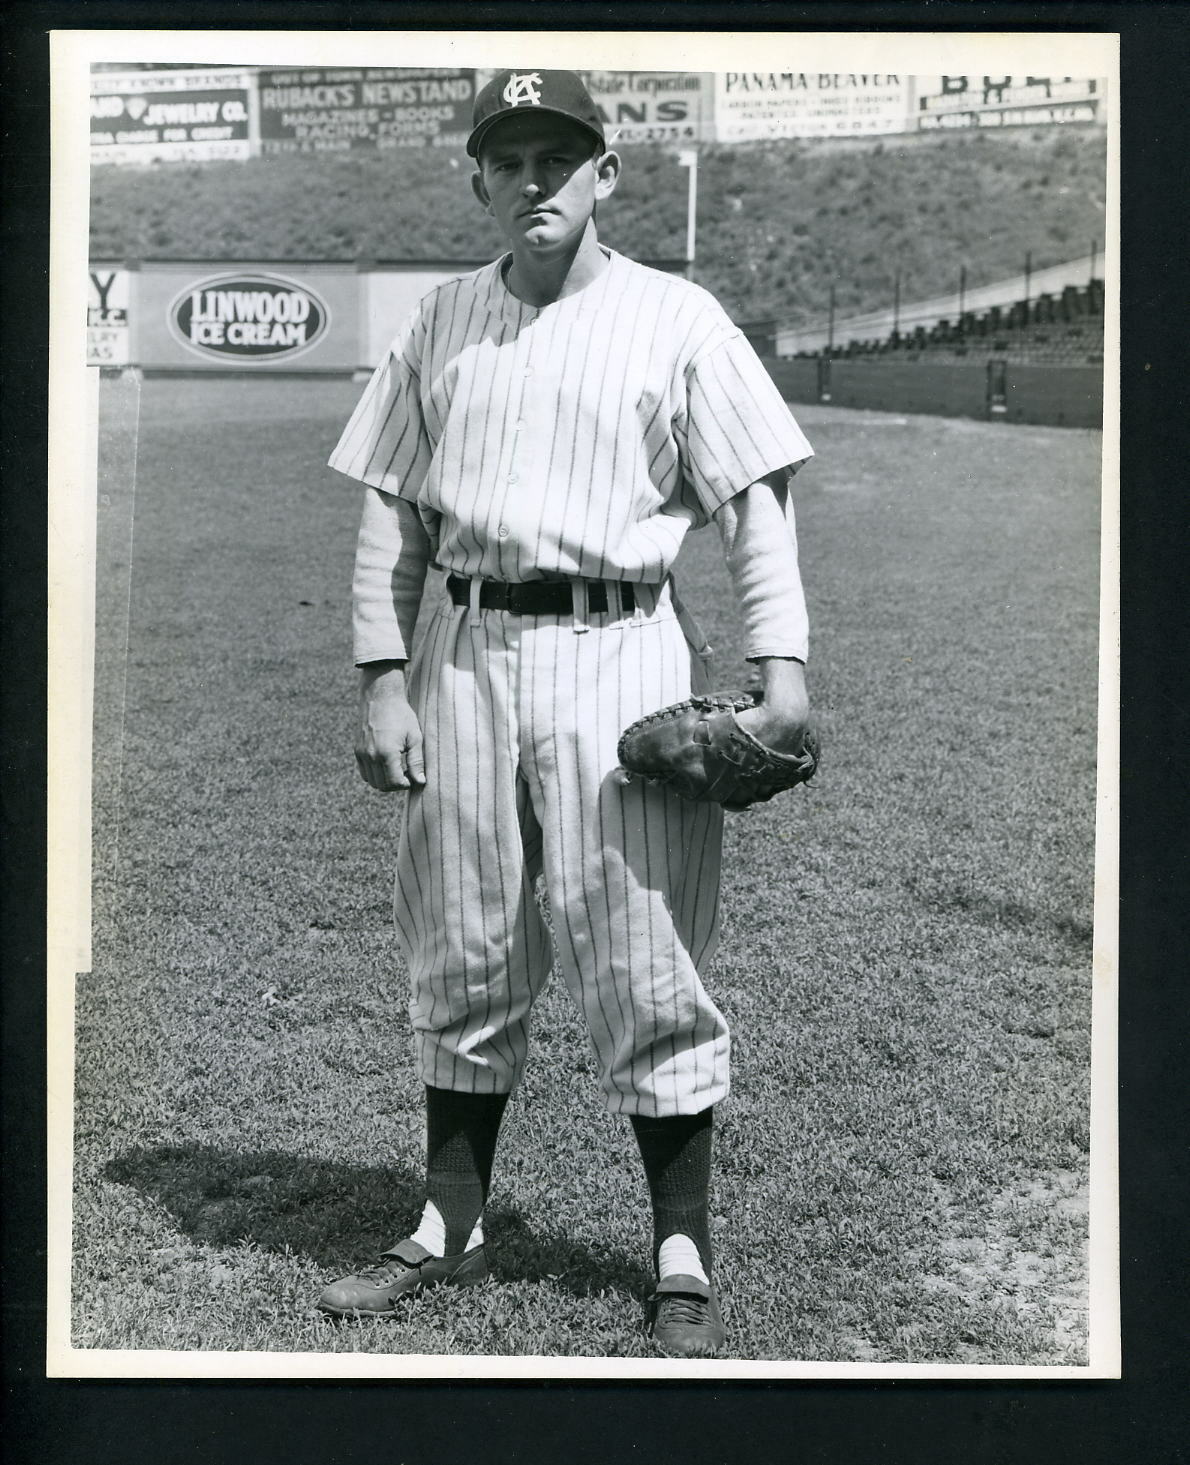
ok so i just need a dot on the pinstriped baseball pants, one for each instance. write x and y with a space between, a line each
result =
521 716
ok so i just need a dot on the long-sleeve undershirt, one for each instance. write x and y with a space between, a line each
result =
760 546
391 559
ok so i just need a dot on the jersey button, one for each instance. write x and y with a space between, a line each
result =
503 531
512 478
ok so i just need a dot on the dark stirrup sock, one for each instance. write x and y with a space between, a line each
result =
677 1156
461 1134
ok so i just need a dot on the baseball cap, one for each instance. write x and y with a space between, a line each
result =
559 92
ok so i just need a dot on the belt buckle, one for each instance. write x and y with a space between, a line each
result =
513 597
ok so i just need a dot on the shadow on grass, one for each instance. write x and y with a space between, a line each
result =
991 911
341 1216
518 1254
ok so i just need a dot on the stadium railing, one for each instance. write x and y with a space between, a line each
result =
1058 330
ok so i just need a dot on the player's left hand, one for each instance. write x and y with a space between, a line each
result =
781 721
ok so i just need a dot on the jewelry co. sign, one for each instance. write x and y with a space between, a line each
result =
171 116
248 317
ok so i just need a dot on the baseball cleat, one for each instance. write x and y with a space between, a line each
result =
685 1321
404 1271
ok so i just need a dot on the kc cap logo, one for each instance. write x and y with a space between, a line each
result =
561 93
523 86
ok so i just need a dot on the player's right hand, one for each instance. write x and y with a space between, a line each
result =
388 748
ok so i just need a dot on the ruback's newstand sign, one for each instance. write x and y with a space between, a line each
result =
336 110
247 318
170 116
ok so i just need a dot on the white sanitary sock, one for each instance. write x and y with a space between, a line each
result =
679 1254
431 1231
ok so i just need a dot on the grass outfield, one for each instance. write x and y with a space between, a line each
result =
901 1170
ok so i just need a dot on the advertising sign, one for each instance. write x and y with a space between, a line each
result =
335 110
169 116
1006 101
107 318
652 106
252 316
248 317
759 104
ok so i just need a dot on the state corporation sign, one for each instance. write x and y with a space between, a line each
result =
248 317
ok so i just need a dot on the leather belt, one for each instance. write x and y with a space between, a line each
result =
537 597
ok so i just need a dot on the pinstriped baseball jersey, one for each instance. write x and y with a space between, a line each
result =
578 440
582 438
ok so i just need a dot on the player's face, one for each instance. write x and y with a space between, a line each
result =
540 179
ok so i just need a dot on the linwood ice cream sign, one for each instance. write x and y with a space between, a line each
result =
249 316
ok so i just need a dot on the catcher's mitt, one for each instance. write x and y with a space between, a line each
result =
698 749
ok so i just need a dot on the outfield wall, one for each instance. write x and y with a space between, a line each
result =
388 294
255 316
1054 396
180 317
1061 396
252 316
248 318
913 387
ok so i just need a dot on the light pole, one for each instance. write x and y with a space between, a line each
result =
830 328
688 158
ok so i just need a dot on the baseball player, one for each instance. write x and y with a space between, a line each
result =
546 431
